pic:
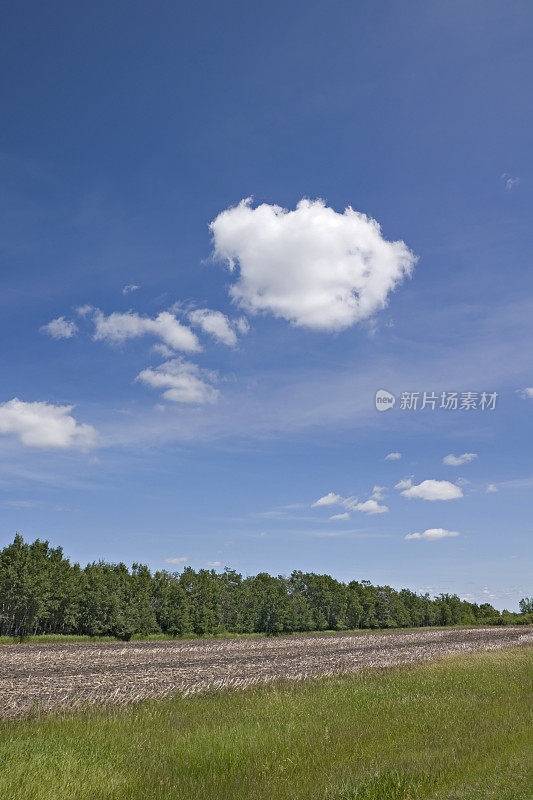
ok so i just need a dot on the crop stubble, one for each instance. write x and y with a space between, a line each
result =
60 676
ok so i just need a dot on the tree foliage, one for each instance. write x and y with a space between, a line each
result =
41 592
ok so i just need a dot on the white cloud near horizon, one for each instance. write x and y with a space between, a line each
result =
118 326
432 534
182 382
177 560
393 457
217 325
44 425
458 461
60 328
312 266
433 490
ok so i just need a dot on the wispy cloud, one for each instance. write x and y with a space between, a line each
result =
458 461
509 181
432 534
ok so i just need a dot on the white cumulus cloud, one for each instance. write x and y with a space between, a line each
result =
182 382
393 457
432 534
60 328
371 506
44 425
118 327
458 461
312 266
433 490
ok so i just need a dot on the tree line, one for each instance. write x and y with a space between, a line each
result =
41 592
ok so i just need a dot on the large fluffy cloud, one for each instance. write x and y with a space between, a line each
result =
182 382
431 490
44 425
118 326
312 266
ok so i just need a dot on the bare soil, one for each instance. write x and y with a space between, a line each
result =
41 677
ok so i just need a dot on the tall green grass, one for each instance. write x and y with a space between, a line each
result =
459 728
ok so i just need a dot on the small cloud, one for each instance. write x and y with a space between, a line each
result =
405 483
434 490
492 488
458 461
378 493
60 328
129 288
393 457
214 563
432 534
242 325
182 381
217 325
118 327
341 516
527 393
370 507
330 499
509 181
84 310
176 560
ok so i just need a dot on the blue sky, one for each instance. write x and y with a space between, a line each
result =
199 417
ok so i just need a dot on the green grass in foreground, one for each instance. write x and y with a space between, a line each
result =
459 728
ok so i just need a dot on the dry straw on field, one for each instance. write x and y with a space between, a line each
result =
53 676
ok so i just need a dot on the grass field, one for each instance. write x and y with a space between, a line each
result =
458 727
